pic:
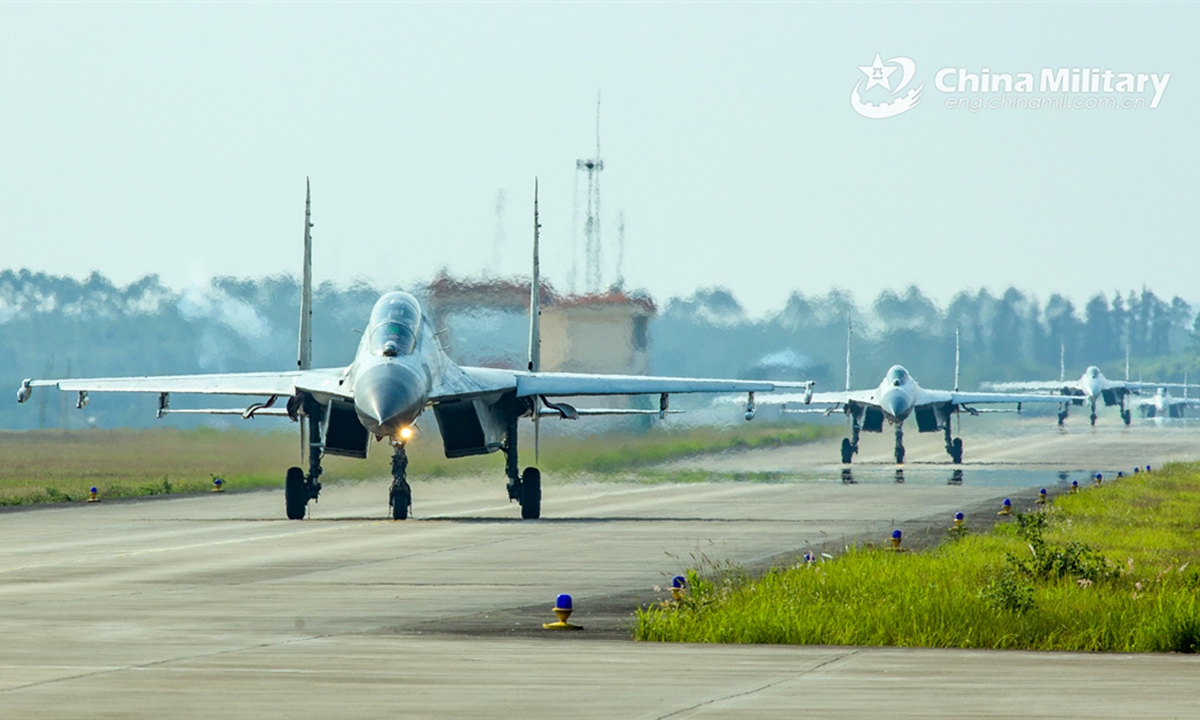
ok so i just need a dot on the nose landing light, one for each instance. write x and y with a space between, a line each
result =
406 432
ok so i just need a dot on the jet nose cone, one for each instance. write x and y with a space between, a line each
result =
388 397
895 405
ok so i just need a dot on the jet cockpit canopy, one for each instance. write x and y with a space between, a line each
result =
395 323
897 375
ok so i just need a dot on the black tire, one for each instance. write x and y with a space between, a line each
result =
1127 416
958 451
1093 420
531 494
401 501
899 453
295 494
847 451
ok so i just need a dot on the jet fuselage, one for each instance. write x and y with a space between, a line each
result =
897 394
396 366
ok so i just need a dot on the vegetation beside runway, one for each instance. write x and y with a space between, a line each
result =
49 466
1111 568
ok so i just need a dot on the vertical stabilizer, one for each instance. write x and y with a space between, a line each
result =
956 357
535 292
848 333
535 320
304 360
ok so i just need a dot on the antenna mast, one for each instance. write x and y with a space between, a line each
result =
500 236
591 224
621 249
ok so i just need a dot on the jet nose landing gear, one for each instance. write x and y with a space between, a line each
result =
400 494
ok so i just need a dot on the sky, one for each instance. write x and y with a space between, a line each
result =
175 139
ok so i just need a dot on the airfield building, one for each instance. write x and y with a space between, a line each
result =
486 322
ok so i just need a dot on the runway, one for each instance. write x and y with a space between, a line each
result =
211 605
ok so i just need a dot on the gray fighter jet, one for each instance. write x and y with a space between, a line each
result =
399 371
1162 404
1090 388
895 399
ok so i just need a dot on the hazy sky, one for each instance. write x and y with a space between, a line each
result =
175 139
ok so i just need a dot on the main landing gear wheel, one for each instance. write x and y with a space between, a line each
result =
295 494
957 451
1127 416
847 451
531 494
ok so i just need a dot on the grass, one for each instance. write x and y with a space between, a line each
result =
1113 568
49 466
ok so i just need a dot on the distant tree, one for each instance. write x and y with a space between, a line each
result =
1120 324
1100 335
1064 330
913 310
1008 327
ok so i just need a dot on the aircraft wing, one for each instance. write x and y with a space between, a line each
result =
575 384
1176 401
325 381
1064 387
821 399
986 398
1135 386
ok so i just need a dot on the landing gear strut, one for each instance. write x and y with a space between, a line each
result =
1093 413
400 494
899 443
524 487
1063 410
1126 415
299 487
850 445
953 446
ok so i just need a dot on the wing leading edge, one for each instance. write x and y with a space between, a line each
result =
324 381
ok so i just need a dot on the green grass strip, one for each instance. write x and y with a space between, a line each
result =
55 466
1111 568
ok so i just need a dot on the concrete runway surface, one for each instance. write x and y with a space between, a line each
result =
213 606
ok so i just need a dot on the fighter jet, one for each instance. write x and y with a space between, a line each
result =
1090 389
399 371
898 397
1163 405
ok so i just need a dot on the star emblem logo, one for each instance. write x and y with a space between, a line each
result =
878 74
896 101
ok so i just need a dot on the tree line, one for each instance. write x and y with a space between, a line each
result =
53 326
